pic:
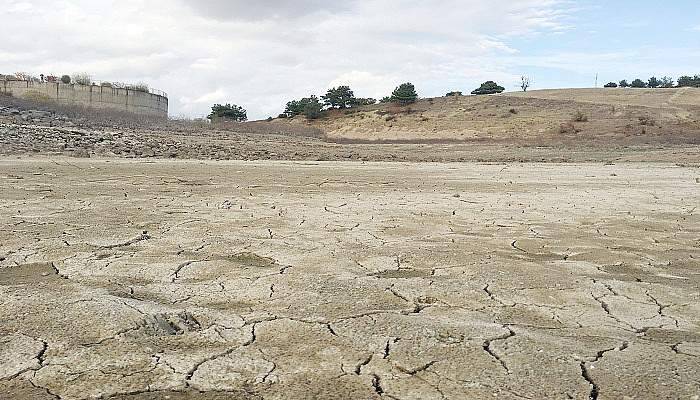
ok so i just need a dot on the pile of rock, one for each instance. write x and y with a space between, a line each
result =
37 117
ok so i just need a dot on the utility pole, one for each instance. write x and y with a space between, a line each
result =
596 80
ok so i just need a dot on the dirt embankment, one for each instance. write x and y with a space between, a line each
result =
560 126
541 117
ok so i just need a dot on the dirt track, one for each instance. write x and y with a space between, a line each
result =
280 280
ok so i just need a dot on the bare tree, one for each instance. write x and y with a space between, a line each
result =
23 76
524 83
82 79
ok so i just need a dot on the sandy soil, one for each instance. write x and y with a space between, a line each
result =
632 116
279 280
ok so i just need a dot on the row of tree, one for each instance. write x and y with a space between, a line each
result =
342 97
654 82
339 98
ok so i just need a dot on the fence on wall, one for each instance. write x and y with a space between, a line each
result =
151 102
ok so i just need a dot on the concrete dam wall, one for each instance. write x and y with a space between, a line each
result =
91 96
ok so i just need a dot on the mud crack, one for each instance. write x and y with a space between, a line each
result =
487 347
140 238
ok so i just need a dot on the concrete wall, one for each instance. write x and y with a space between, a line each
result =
90 96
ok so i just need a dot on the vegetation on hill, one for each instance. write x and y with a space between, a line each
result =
404 94
687 81
489 87
340 97
638 83
299 107
230 112
343 97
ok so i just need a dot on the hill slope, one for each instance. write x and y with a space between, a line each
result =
620 115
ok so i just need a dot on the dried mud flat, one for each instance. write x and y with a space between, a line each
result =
279 280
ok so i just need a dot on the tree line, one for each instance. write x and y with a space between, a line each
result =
342 97
339 98
654 82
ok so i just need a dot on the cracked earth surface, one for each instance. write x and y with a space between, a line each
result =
280 280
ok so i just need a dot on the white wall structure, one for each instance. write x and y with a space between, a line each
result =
92 96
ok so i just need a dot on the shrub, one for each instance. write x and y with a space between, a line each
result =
638 83
513 111
82 79
364 101
568 128
137 87
611 85
646 120
489 87
404 94
228 112
453 94
385 99
282 116
106 84
36 96
66 79
580 116
624 84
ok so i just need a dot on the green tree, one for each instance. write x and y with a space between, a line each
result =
610 85
689 81
313 108
638 83
653 82
667 82
489 87
298 107
624 83
404 94
385 99
228 112
340 97
66 79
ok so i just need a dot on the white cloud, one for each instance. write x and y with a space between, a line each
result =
262 54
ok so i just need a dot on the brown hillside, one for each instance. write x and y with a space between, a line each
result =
624 116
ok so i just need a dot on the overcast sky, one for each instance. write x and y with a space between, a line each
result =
260 54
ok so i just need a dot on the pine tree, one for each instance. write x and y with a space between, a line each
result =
489 87
638 83
404 94
228 112
340 97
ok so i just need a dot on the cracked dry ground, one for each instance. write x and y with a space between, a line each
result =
279 280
